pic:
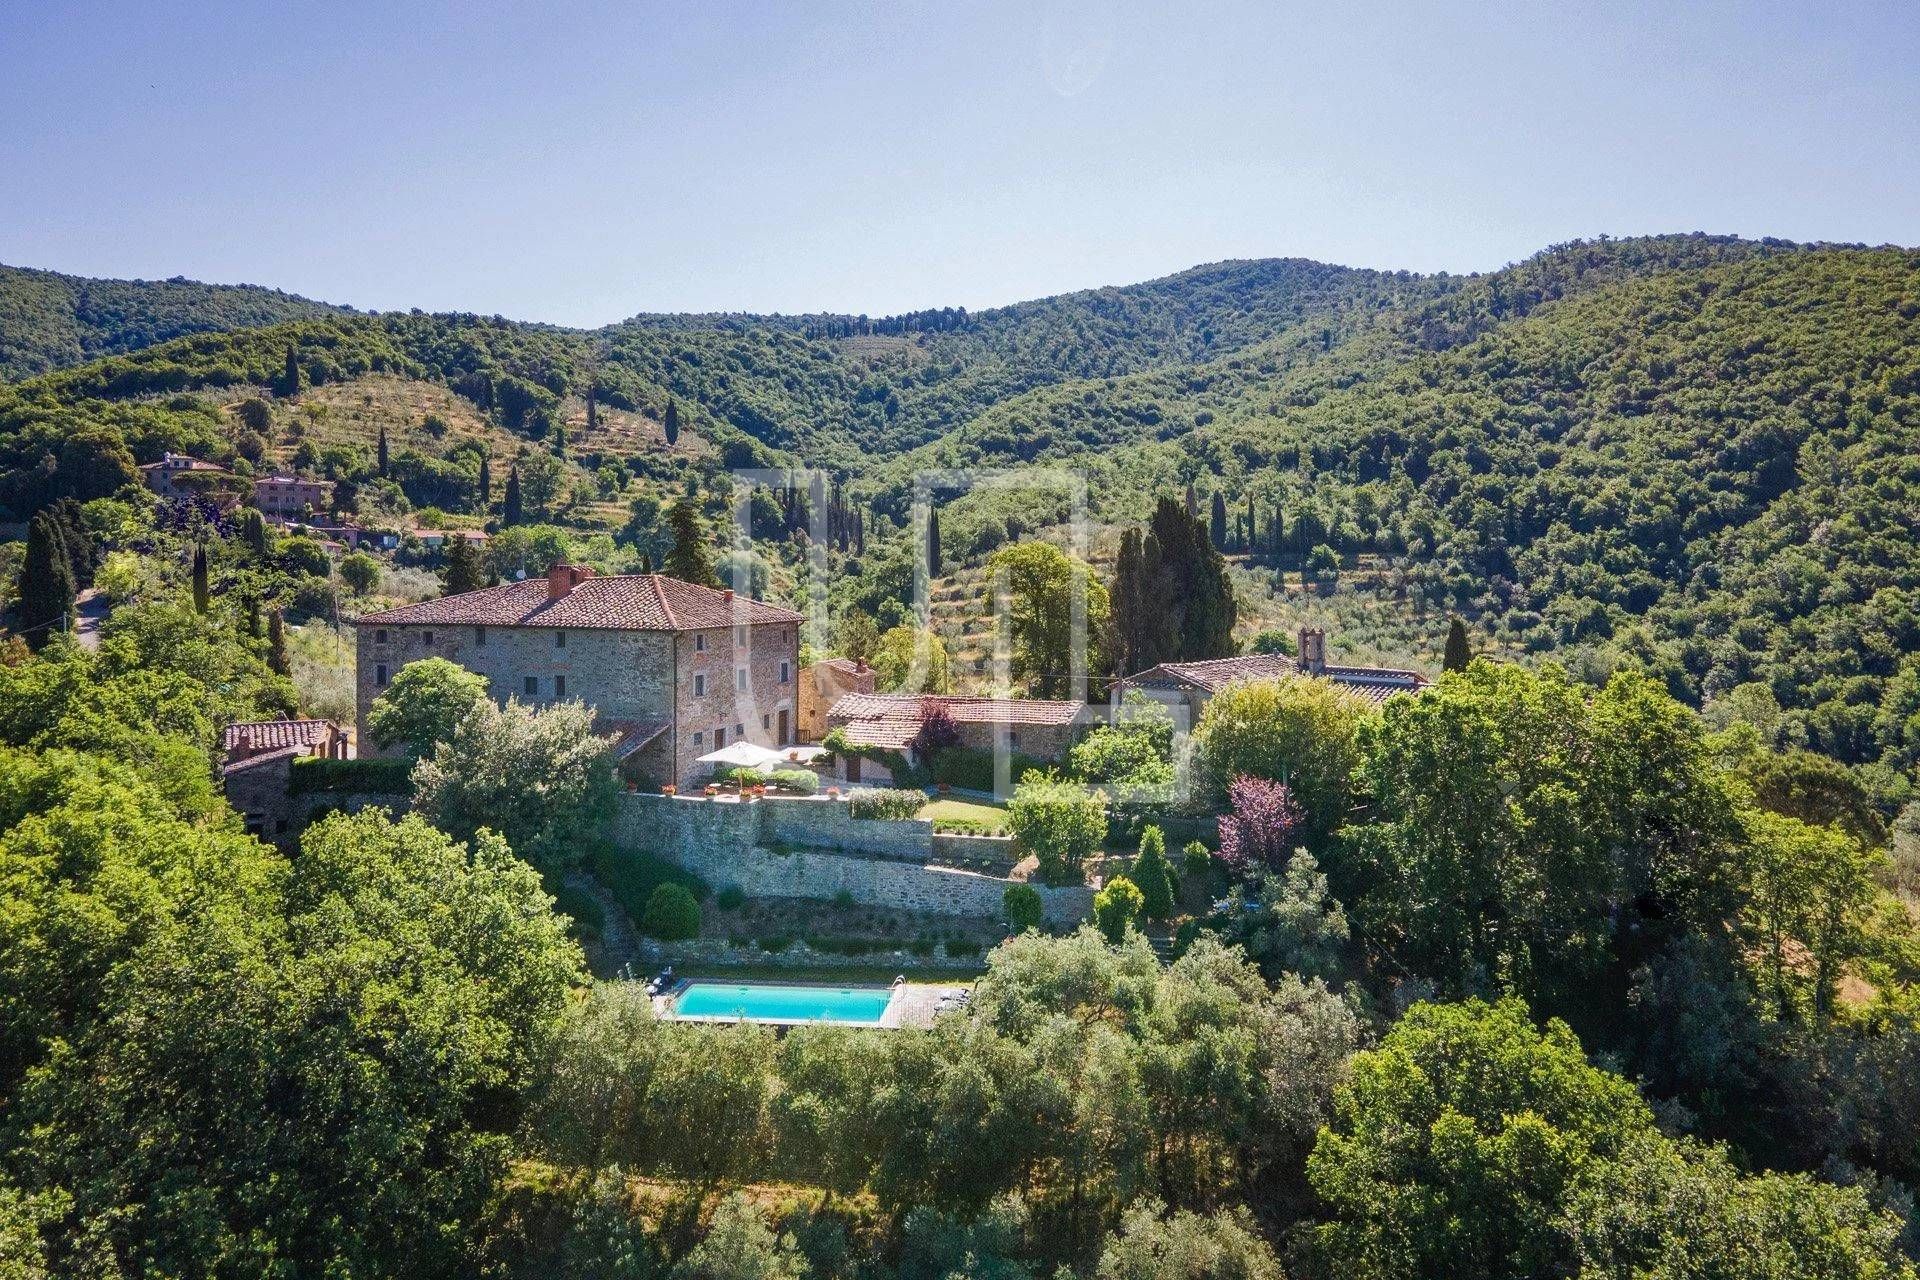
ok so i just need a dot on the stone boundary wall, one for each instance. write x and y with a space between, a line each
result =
722 844
829 824
994 851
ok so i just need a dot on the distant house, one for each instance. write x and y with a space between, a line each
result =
1034 727
825 683
672 670
1190 684
178 476
282 497
257 769
435 539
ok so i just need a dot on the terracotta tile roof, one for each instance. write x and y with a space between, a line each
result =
892 719
271 735
630 735
264 758
1375 684
624 602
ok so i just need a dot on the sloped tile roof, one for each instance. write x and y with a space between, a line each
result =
271 735
892 719
630 735
1375 684
623 602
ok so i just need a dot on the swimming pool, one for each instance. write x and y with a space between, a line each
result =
782 1002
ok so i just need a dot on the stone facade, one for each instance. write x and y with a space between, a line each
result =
728 844
825 683
688 680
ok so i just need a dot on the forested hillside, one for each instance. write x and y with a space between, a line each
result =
49 320
1688 453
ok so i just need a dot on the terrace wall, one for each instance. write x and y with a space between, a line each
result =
824 853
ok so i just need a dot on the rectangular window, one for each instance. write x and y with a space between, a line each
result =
379 675
559 686
740 731
786 672
699 684
532 686
380 637
766 721
479 635
740 680
740 636
699 644
699 738
559 639
426 637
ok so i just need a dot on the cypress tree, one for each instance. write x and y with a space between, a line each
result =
1153 875
1219 520
277 644
646 562
202 594
673 422
1253 525
934 566
1459 651
46 581
593 413
465 570
254 621
689 560
560 439
290 381
253 531
1193 503
486 480
510 511
383 448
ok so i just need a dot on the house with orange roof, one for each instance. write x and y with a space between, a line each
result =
672 670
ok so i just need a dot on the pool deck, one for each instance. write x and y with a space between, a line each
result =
914 1004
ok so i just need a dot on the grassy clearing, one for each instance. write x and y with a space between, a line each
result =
974 817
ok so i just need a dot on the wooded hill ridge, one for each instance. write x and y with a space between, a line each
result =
1693 453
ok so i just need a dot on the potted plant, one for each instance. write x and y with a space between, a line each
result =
667 789
942 788
713 789
632 786
833 793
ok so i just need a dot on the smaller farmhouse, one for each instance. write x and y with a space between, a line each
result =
1189 685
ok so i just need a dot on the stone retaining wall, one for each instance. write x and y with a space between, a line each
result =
724 844
995 851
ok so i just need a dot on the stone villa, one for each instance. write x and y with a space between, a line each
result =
1189 685
675 670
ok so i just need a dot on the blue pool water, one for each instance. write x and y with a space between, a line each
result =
775 1002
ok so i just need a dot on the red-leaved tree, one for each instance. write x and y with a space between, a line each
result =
937 729
1260 830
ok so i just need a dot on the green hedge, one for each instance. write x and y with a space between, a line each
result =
632 877
972 768
383 775
896 805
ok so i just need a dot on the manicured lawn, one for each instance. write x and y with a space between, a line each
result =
975 816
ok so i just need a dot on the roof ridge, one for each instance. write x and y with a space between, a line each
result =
660 594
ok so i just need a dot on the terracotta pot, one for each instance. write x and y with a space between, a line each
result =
712 790
632 787
941 787
669 789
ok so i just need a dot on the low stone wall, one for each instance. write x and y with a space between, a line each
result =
990 851
829 824
722 844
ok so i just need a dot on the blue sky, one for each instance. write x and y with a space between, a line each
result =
579 162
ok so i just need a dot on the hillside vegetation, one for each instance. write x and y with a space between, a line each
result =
1689 453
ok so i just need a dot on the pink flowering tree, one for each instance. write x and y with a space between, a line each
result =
1259 833
937 730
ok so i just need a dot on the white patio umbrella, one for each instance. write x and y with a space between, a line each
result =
745 754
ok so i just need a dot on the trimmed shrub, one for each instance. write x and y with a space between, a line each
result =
891 805
1154 875
671 914
1117 907
386 776
730 898
1023 907
803 782
1199 860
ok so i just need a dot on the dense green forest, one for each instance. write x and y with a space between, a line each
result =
49 320
1598 959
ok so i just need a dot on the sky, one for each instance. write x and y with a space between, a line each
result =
579 162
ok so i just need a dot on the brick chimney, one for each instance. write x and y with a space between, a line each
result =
563 578
728 595
1313 651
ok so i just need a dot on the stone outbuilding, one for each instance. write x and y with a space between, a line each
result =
257 770
1185 687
